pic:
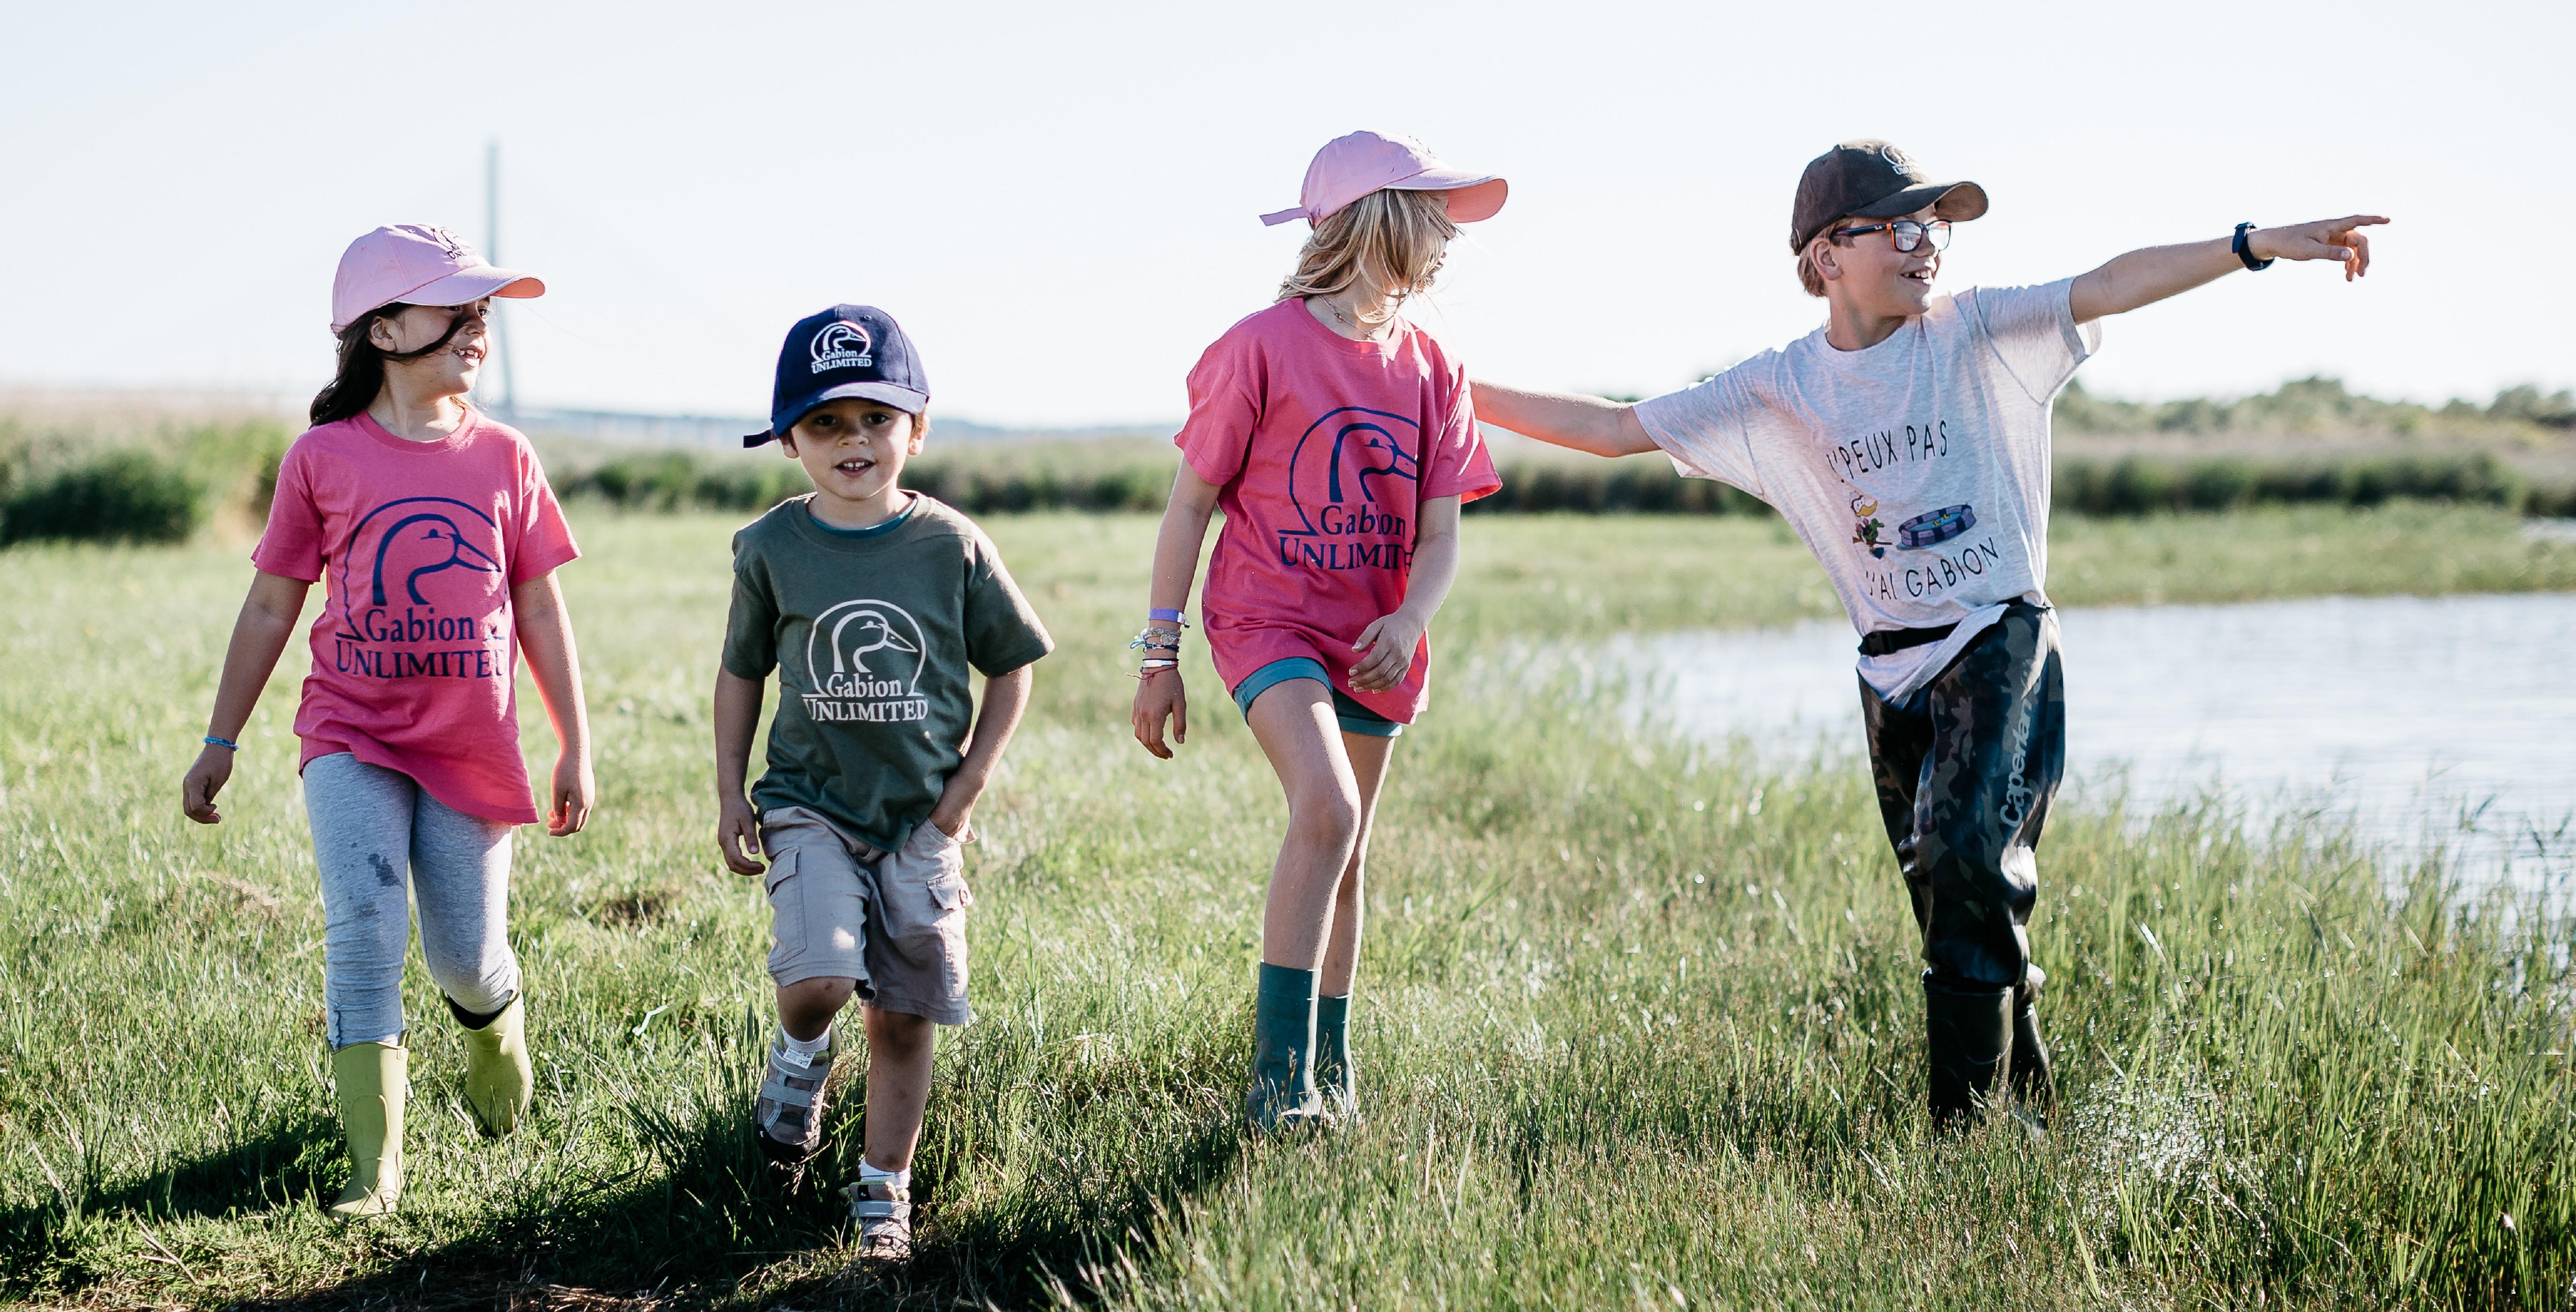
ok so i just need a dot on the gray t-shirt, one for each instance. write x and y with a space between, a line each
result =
1916 470
871 637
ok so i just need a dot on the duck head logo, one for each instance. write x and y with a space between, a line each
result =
420 545
843 345
1867 531
421 592
864 650
1352 478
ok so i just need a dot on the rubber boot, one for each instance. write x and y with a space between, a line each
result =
1335 1078
1282 1094
2033 1087
498 1079
1968 1039
370 1081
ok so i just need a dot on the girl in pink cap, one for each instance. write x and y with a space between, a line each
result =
1340 441
438 537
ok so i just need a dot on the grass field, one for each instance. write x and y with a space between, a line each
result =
1638 1028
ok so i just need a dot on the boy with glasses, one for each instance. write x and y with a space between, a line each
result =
1906 442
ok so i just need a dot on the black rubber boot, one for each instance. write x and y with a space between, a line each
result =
1968 1041
2032 1084
1282 1094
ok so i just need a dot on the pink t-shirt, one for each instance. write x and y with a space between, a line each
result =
415 650
1321 447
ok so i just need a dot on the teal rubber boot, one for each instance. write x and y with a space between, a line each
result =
1335 1078
1283 1043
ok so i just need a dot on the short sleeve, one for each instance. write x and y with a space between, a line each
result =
1225 406
1707 429
543 541
1002 632
751 624
2033 334
1459 463
291 545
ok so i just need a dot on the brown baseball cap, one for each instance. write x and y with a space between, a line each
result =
1870 179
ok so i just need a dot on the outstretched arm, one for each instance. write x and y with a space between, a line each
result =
2144 277
1585 423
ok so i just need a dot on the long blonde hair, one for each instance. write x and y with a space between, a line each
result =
1391 240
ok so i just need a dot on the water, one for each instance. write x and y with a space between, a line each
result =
2426 722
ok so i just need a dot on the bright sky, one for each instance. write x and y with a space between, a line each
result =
1058 201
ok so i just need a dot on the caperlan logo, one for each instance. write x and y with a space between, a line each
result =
455 246
1897 159
843 345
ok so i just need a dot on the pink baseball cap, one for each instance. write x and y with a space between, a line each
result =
1348 168
416 264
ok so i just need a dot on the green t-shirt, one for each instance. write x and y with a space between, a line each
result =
871 637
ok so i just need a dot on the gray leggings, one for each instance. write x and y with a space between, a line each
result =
369 824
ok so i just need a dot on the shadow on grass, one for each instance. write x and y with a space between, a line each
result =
278 1167
711 1227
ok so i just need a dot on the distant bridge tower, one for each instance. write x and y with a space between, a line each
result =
499 397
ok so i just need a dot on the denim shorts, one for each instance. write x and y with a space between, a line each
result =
1354 717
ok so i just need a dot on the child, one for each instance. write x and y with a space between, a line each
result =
1340 441
440 539
871 603
1929 413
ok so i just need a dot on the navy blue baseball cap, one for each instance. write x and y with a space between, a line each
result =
848 350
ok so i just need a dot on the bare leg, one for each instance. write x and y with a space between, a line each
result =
1295 726
1368 756
806 1008
900 1049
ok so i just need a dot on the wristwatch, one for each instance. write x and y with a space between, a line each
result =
2245 253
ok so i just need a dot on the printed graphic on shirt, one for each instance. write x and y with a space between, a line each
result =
1939 566
1343 479
421 593
863 663
1934 527
1866 528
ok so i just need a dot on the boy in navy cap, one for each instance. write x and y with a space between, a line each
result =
872 604
1906 442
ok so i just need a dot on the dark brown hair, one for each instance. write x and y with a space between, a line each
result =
361 372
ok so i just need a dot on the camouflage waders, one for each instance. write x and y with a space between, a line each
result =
1965 770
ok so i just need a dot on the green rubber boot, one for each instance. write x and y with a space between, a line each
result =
498 1079
1282 1095
370 1081
1335 1078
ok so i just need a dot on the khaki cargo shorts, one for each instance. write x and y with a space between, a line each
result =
893 921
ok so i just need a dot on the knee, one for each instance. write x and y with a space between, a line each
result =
814 1000
479 976
1328 813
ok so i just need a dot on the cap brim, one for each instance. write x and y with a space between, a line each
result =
1472 196
473 285
901 398
1956 201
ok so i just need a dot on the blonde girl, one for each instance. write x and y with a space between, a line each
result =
1340 441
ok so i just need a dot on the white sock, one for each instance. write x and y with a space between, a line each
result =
805 1050
869 1174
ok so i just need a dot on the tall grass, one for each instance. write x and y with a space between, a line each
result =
1639 1023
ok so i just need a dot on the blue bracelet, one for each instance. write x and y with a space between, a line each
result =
1158 613
227 743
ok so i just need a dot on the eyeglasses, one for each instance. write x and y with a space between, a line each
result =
1906 234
